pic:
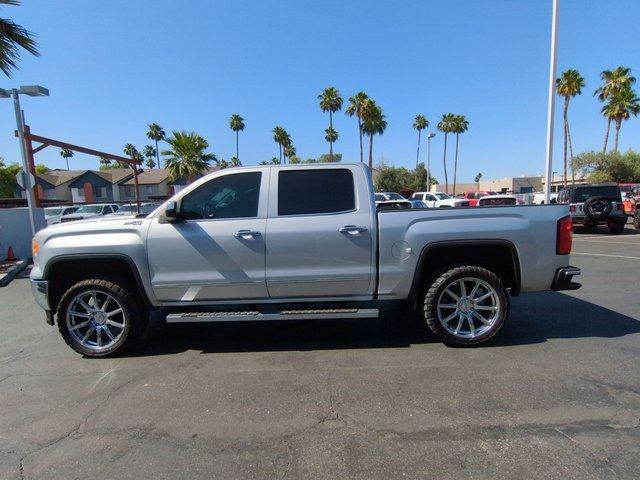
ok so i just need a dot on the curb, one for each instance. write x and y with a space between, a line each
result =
6 278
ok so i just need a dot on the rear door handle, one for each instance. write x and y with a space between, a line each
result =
352 229
246 234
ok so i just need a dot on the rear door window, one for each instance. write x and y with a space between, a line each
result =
315 191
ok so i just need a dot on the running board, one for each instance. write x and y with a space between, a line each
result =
251 316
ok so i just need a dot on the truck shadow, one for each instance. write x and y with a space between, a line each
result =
535 318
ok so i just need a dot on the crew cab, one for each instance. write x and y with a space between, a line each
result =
294 242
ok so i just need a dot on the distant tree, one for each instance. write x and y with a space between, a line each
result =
445 125
460 125
622 105
13 37
105 163
294 159
273 161
8 182
356 103
281 137
612 82
419 123
156 133
236 123
568 85
41 168
326 158
330 101
609 167
392 179
221 163
235 162
186 156
149 152
289 151
66 154
373 123
477 178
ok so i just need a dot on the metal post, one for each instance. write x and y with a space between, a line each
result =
551 103
25 164
428 162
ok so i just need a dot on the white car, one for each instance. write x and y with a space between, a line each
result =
538 198
497 200
439 200
391 200
53 214
89 211
132 210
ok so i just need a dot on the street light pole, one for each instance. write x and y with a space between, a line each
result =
429 137
551 102
25 163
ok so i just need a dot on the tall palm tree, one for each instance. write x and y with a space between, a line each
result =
156 133
280 136
289 151
235 162
460 125
612 81
66 154
149 152
186 156
13 37
330 101
622 104
419 123
130 151
445 125
236 123
568 85
373 123
330 135
355 108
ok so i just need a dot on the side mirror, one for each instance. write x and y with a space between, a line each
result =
171 212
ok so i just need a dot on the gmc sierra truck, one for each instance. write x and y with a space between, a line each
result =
295 242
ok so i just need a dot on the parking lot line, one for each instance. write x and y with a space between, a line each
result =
608 242
604 255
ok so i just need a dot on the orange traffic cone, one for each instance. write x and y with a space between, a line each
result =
10 255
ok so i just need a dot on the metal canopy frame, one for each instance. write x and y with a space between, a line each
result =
49 142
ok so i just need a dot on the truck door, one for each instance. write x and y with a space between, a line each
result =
217 250
320 234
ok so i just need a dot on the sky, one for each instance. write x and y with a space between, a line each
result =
114 67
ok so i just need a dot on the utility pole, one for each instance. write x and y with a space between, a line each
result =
551 103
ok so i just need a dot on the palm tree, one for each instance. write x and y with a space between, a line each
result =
612 81
222 163
66 154
355 108
236 123
149 152
373 123
235 162
568 86
330 101
156 133
445 125
12 38
280 136
622 104
105 162
186 156
289 151
419 123
330 135
130 151
460 125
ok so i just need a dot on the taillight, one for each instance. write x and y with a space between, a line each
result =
564 236
572 208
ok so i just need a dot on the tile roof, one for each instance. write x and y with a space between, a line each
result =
150 177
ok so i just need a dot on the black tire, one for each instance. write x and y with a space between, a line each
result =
616 228
636 219
436 290
133 316
597 208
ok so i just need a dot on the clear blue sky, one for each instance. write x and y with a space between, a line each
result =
113 67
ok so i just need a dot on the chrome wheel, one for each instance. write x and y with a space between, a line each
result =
95 320
468 307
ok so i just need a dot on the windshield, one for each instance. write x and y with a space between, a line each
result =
394 196
611 193
128 209
51 211
90 209
442 196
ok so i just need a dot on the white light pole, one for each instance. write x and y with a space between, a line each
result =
551 103
429 137
32 91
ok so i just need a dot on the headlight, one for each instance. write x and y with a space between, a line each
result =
35 247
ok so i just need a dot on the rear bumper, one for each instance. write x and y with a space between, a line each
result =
563 279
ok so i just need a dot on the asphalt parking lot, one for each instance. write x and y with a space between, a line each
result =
555 395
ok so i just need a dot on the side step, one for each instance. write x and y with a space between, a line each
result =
251 316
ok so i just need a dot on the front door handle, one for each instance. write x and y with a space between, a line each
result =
352 229
246 234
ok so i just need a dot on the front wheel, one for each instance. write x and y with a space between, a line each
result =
466 305
98 317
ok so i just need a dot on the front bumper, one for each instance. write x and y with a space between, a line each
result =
40 291
563 279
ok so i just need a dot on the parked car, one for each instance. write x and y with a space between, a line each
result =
497 200
439 200
89 211
538 198
282 242
630 199
418 204
132 210
597 204
473 197
53 214
391 201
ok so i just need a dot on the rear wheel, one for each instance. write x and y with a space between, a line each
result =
466 305
98 317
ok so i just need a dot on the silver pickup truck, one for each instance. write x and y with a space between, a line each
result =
295 242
